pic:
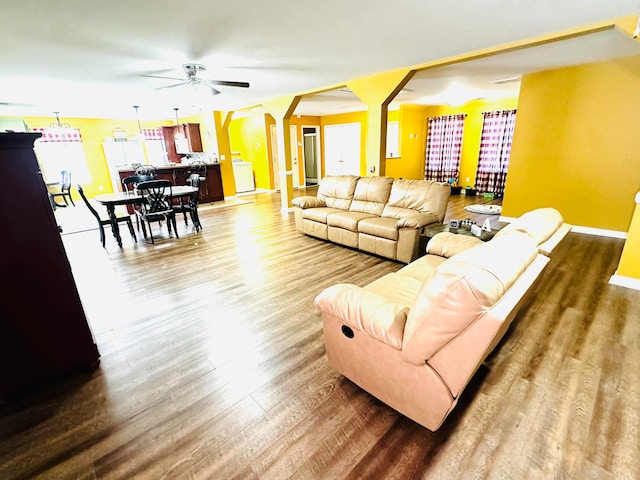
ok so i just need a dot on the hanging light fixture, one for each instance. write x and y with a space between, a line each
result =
58 123
136 107
177 132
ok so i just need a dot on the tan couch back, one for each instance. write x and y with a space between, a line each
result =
539 224
424 196
463 288
371 195
337 191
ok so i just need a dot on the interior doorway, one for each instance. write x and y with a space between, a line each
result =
295 164
311 154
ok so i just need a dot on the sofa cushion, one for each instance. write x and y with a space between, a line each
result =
424 196
319 214
337 191
379 227
347 220
398 288
422 268
463 288
371 195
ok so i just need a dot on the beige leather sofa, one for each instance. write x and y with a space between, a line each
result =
414 338
379 215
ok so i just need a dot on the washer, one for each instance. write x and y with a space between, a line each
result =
243 173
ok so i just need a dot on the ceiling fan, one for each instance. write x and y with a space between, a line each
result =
191 73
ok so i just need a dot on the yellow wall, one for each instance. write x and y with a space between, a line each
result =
576 145
94 131
248 137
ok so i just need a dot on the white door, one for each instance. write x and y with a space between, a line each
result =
342 149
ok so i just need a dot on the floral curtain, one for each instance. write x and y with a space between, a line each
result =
495 150
444 146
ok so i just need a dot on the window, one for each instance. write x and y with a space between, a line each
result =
61 149
444 147
495 150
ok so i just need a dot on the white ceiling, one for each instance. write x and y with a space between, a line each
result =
85 58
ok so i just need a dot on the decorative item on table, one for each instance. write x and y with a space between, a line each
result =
476 230
486 226
454 223
467 223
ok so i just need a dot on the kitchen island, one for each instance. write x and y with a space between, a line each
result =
210 187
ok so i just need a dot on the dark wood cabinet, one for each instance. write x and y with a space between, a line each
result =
180 139
43 328
210 189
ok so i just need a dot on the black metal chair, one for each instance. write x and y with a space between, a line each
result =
129 184
191 205
65 190
102 221
156 205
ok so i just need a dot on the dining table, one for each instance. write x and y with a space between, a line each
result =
133 197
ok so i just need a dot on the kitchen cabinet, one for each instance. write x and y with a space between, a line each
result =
44 332
181 139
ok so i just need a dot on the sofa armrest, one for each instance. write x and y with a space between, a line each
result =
417 220
368 312
307 201
447 244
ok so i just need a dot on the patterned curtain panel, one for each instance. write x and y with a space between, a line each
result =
55 134
152 134
495 150
444 146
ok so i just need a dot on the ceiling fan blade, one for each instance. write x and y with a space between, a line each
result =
226 83
186 82
166 78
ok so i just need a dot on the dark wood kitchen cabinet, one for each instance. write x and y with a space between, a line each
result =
43 328
181 139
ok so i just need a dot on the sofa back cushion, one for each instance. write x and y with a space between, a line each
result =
424 196
371 195
539 224
463 288
337 191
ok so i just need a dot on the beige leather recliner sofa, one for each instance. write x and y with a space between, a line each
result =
379 215
414 338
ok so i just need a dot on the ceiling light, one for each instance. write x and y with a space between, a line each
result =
58 123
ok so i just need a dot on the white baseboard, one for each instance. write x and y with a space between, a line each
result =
623 281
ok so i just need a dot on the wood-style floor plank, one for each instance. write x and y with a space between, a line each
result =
213 367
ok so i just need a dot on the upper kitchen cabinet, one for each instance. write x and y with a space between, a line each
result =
181 139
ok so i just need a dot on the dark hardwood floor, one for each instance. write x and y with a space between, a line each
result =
213 367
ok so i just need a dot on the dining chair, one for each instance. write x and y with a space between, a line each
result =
129 184
102 221
65 190
191 204
156 205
